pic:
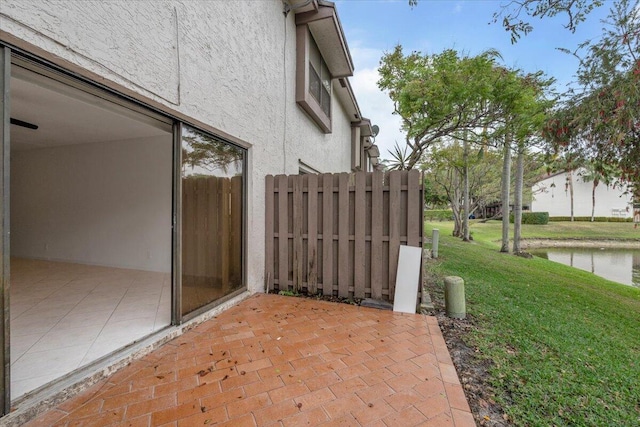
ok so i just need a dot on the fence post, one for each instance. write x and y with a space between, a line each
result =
454 297
435 239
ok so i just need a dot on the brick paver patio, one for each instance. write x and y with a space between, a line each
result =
284 361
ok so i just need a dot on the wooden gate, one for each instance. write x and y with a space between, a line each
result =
340 234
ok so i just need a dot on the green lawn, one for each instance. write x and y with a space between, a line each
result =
492 230
565 343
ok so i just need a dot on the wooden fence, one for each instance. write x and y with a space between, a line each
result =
340 234
212 231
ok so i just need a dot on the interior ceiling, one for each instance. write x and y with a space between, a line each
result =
66 115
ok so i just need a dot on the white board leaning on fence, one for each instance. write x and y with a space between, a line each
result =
405 299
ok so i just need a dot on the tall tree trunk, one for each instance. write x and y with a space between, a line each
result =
506 184
456 204
570 182
517 200
593 200
465 215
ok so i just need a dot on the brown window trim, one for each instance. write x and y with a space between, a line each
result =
303 97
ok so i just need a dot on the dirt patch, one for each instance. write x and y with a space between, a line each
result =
473 371
318 297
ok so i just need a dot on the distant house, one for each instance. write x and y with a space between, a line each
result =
552 194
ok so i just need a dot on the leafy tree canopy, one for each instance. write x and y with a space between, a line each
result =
447 94
602 121
514 14
209 154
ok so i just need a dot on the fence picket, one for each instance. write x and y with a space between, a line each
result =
312 234
283 232
343 235
394 231
269 233
327 234
413 213
376 234
360 242
296 185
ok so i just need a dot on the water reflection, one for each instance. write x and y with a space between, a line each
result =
618 265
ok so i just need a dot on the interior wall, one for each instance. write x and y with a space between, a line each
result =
102 204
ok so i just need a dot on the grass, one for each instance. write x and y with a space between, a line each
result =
492 230
565 344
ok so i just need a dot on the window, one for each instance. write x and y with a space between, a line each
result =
321 56
319 78
313 85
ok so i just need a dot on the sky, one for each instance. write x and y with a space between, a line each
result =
373 27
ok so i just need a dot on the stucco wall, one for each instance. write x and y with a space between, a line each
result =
102 204
552 195
228 64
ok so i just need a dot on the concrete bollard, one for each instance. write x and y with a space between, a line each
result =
454 300
435 237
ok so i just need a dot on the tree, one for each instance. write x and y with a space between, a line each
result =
524 105
443 168
568 161
606 114
209 154
438 95
601 120
510 14
504 194
597 172
399 158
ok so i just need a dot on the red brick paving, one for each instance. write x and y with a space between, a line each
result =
284 361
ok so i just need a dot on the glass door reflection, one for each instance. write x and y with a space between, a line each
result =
212 212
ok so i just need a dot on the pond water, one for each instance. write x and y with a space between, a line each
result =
618 265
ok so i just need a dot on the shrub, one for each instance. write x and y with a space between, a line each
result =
537 218
438 214
588 218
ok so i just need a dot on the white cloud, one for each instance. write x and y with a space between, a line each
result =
374 104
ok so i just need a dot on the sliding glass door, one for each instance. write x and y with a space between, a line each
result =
212 187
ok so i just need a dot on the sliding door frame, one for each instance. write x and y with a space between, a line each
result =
5 160
176 225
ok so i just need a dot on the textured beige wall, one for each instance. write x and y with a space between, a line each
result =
227 64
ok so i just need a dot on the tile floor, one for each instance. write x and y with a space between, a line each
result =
284 361
65 315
